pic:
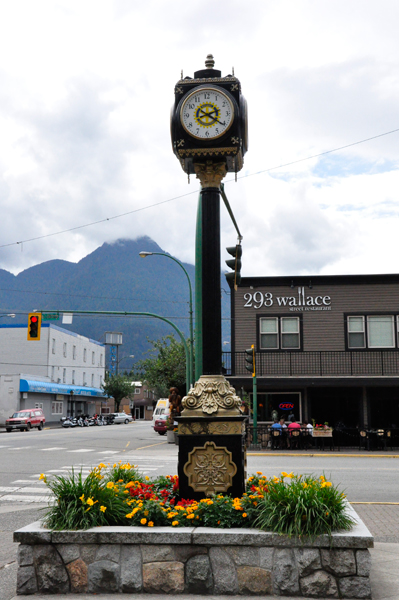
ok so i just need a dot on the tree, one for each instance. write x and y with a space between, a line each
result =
165 368
118 387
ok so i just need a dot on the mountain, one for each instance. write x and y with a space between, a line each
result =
112 278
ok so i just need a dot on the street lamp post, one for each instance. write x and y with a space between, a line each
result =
144 254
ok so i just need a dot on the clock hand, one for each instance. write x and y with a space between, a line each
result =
208 114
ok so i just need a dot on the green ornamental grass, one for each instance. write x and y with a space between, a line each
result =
298 505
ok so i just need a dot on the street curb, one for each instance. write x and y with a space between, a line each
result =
336 454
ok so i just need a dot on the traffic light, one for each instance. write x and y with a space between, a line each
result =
234 264
34 324
250 360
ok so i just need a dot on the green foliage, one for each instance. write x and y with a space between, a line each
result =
83 503
303 506
165 368
118 387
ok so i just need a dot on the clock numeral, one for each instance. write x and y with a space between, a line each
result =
187 115
217 129
197 129
191 106
190 125
207 96
227 113
197 99
224 103
207 133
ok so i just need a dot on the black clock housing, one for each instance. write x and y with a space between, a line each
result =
232 145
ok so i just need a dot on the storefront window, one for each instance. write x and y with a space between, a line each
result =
269 333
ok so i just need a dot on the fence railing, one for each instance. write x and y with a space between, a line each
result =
311 364
266 437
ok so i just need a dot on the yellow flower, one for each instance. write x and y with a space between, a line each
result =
146 513
82 497
143 521
147 478
284 474
191 516
103 508
174 523
150 524
244 515
328 483
42 476
110 485
90 501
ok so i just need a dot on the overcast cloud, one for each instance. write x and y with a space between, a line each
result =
85 94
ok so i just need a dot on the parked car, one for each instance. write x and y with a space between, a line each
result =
122 417
25 419
160 424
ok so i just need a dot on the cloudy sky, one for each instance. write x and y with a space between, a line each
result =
86 88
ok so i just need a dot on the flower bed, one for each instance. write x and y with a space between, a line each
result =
118 532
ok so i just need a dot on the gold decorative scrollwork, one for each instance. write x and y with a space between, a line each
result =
212 394
210 469
210 173
211 428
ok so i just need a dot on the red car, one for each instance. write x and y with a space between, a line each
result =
160 424
25 419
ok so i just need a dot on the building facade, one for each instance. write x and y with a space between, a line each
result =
61 373
327 347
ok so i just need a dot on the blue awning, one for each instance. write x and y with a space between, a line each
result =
45 387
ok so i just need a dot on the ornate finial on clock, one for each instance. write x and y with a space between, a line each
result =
210 62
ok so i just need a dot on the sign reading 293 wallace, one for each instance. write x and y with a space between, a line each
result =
299 302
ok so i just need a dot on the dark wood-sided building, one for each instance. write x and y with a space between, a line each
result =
327 347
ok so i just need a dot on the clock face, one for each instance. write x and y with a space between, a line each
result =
207 113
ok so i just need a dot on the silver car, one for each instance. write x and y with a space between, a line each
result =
122 418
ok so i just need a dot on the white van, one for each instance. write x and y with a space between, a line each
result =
162 408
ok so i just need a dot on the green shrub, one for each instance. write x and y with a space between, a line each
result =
303 506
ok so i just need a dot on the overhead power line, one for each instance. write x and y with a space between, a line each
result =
130 212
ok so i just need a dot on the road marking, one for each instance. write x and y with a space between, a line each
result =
150 446
22 481
20 448
8 489
109 452
50 449
26 499
4 446
82 450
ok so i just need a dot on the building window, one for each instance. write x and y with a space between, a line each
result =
93 358
137 390
73 377
381 332
279 333
84 378
65 350
39 405
52 373
356 332
56 408
74 353
63 375
101 380
376 331
53 346
84 355
92 380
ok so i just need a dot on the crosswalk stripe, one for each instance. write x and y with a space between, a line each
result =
82 450
50 449
16 498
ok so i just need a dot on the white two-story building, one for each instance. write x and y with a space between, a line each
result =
61 373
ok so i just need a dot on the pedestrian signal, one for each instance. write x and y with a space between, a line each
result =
235 264
34 325
250 360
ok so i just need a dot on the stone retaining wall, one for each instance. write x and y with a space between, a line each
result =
192 560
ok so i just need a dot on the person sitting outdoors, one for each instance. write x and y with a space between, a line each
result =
294 431
275 432
307 432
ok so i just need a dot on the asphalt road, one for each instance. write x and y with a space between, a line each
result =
23 456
